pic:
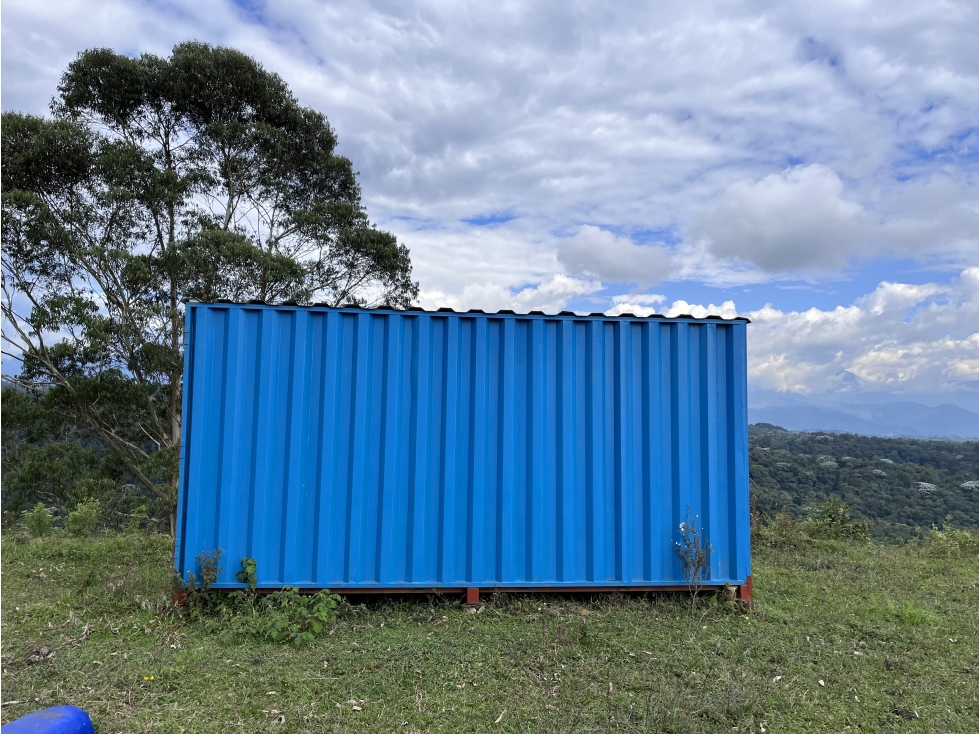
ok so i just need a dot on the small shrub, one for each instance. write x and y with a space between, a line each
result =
781 531
38 521
136 519
950 542
830 519
82 520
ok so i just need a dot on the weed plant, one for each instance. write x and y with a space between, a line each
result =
949 542
82 520
694 552
38 521
286 616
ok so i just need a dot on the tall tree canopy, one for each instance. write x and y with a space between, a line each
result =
195 176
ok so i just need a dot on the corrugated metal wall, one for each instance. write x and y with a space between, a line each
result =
348 448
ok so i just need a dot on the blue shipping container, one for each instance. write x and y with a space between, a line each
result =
382 449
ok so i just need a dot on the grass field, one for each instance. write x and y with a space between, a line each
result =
843 638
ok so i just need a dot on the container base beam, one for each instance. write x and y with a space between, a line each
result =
473 592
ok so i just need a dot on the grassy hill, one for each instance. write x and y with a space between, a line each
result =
844 637
896 484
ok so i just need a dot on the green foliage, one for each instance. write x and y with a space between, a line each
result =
908 612
82 520
63 472
831 519
208 570
194 176
248 573
47 458
885 481
38 520
285 616
209 567
950 542
136 519
42 458
892 632
780 531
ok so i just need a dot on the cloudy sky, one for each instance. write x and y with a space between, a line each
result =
813 166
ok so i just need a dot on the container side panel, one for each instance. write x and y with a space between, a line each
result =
387 569
537 490
434 508
476 571
508 457
665 513
418 451
581 564
204 473
238 494
633 457
187 462
345 448
326 454
283 435
596 422
295 541
680 444
522 414
738 448
312 439
708 432
492 560
262 448
722 502
567 520
450 459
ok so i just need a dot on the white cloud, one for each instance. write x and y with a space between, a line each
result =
794 220
551 296
599 253
451 256
900 338
725 310
645 299
802 219
636 305
642 118
752 142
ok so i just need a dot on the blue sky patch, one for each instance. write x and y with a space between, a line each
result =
488 220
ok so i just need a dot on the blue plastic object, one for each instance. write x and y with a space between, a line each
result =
382 449
55 720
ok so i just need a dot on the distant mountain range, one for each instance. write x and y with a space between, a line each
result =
898 418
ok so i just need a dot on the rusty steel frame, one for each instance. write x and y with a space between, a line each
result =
472 593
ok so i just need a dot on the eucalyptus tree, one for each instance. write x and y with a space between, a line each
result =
155 180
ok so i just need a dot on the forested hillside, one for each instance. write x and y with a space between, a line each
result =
897 484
